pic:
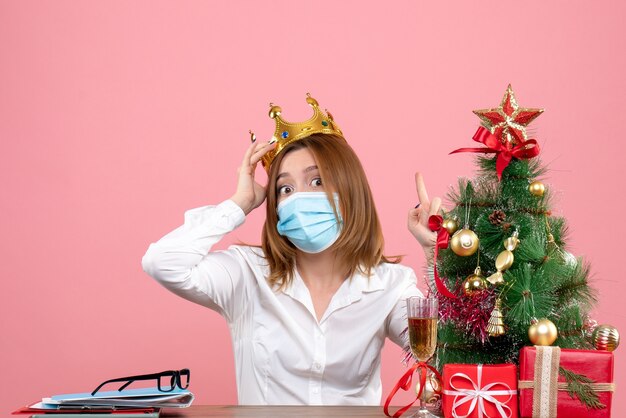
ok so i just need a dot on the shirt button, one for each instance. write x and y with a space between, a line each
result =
317 366
316 390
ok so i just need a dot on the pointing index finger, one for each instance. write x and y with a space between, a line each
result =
422 194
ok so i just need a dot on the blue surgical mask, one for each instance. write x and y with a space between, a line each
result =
308 221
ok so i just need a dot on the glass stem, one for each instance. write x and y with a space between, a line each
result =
423 394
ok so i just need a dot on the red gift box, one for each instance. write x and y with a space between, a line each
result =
535 374
476 390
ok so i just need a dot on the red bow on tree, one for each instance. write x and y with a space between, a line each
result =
435 224
505 152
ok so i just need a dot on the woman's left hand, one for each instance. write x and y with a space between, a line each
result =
418 217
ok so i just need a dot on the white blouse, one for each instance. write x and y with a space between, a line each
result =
283 354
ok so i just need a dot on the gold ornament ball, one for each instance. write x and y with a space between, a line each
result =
432 389
542 332
464 242
450 225
605 337
474 283
537 188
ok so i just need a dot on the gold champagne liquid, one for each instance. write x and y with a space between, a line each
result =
423 337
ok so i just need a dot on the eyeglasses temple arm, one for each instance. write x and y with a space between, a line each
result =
125 385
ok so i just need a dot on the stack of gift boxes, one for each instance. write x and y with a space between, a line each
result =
549 385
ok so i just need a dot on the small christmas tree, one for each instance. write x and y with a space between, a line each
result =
505 265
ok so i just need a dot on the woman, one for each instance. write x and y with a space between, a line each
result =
310 309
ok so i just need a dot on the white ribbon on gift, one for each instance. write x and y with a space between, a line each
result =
479 395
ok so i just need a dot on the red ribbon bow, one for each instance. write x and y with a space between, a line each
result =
435 224
525 150
405 383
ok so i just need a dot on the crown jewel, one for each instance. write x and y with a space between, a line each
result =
288 132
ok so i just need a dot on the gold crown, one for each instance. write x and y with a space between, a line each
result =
288 132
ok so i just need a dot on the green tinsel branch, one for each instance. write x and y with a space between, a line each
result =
532 247
579 386
530 295
527 169
575 286
454 346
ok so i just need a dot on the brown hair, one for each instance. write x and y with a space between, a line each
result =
360 243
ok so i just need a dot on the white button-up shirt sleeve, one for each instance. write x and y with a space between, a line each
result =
181 260
397 319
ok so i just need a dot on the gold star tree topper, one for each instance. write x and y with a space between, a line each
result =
508 122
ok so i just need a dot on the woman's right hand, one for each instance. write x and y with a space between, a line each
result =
250 194
418 218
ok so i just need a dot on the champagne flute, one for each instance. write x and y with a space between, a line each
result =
422 314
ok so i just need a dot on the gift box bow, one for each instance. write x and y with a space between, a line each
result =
478 395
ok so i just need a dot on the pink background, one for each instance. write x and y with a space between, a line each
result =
116 117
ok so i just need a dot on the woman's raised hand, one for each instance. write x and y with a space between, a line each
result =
250 194
418 217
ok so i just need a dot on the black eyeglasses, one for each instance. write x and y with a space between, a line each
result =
178 378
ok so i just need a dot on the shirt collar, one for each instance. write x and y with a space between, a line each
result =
356 286
349 292
363 284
